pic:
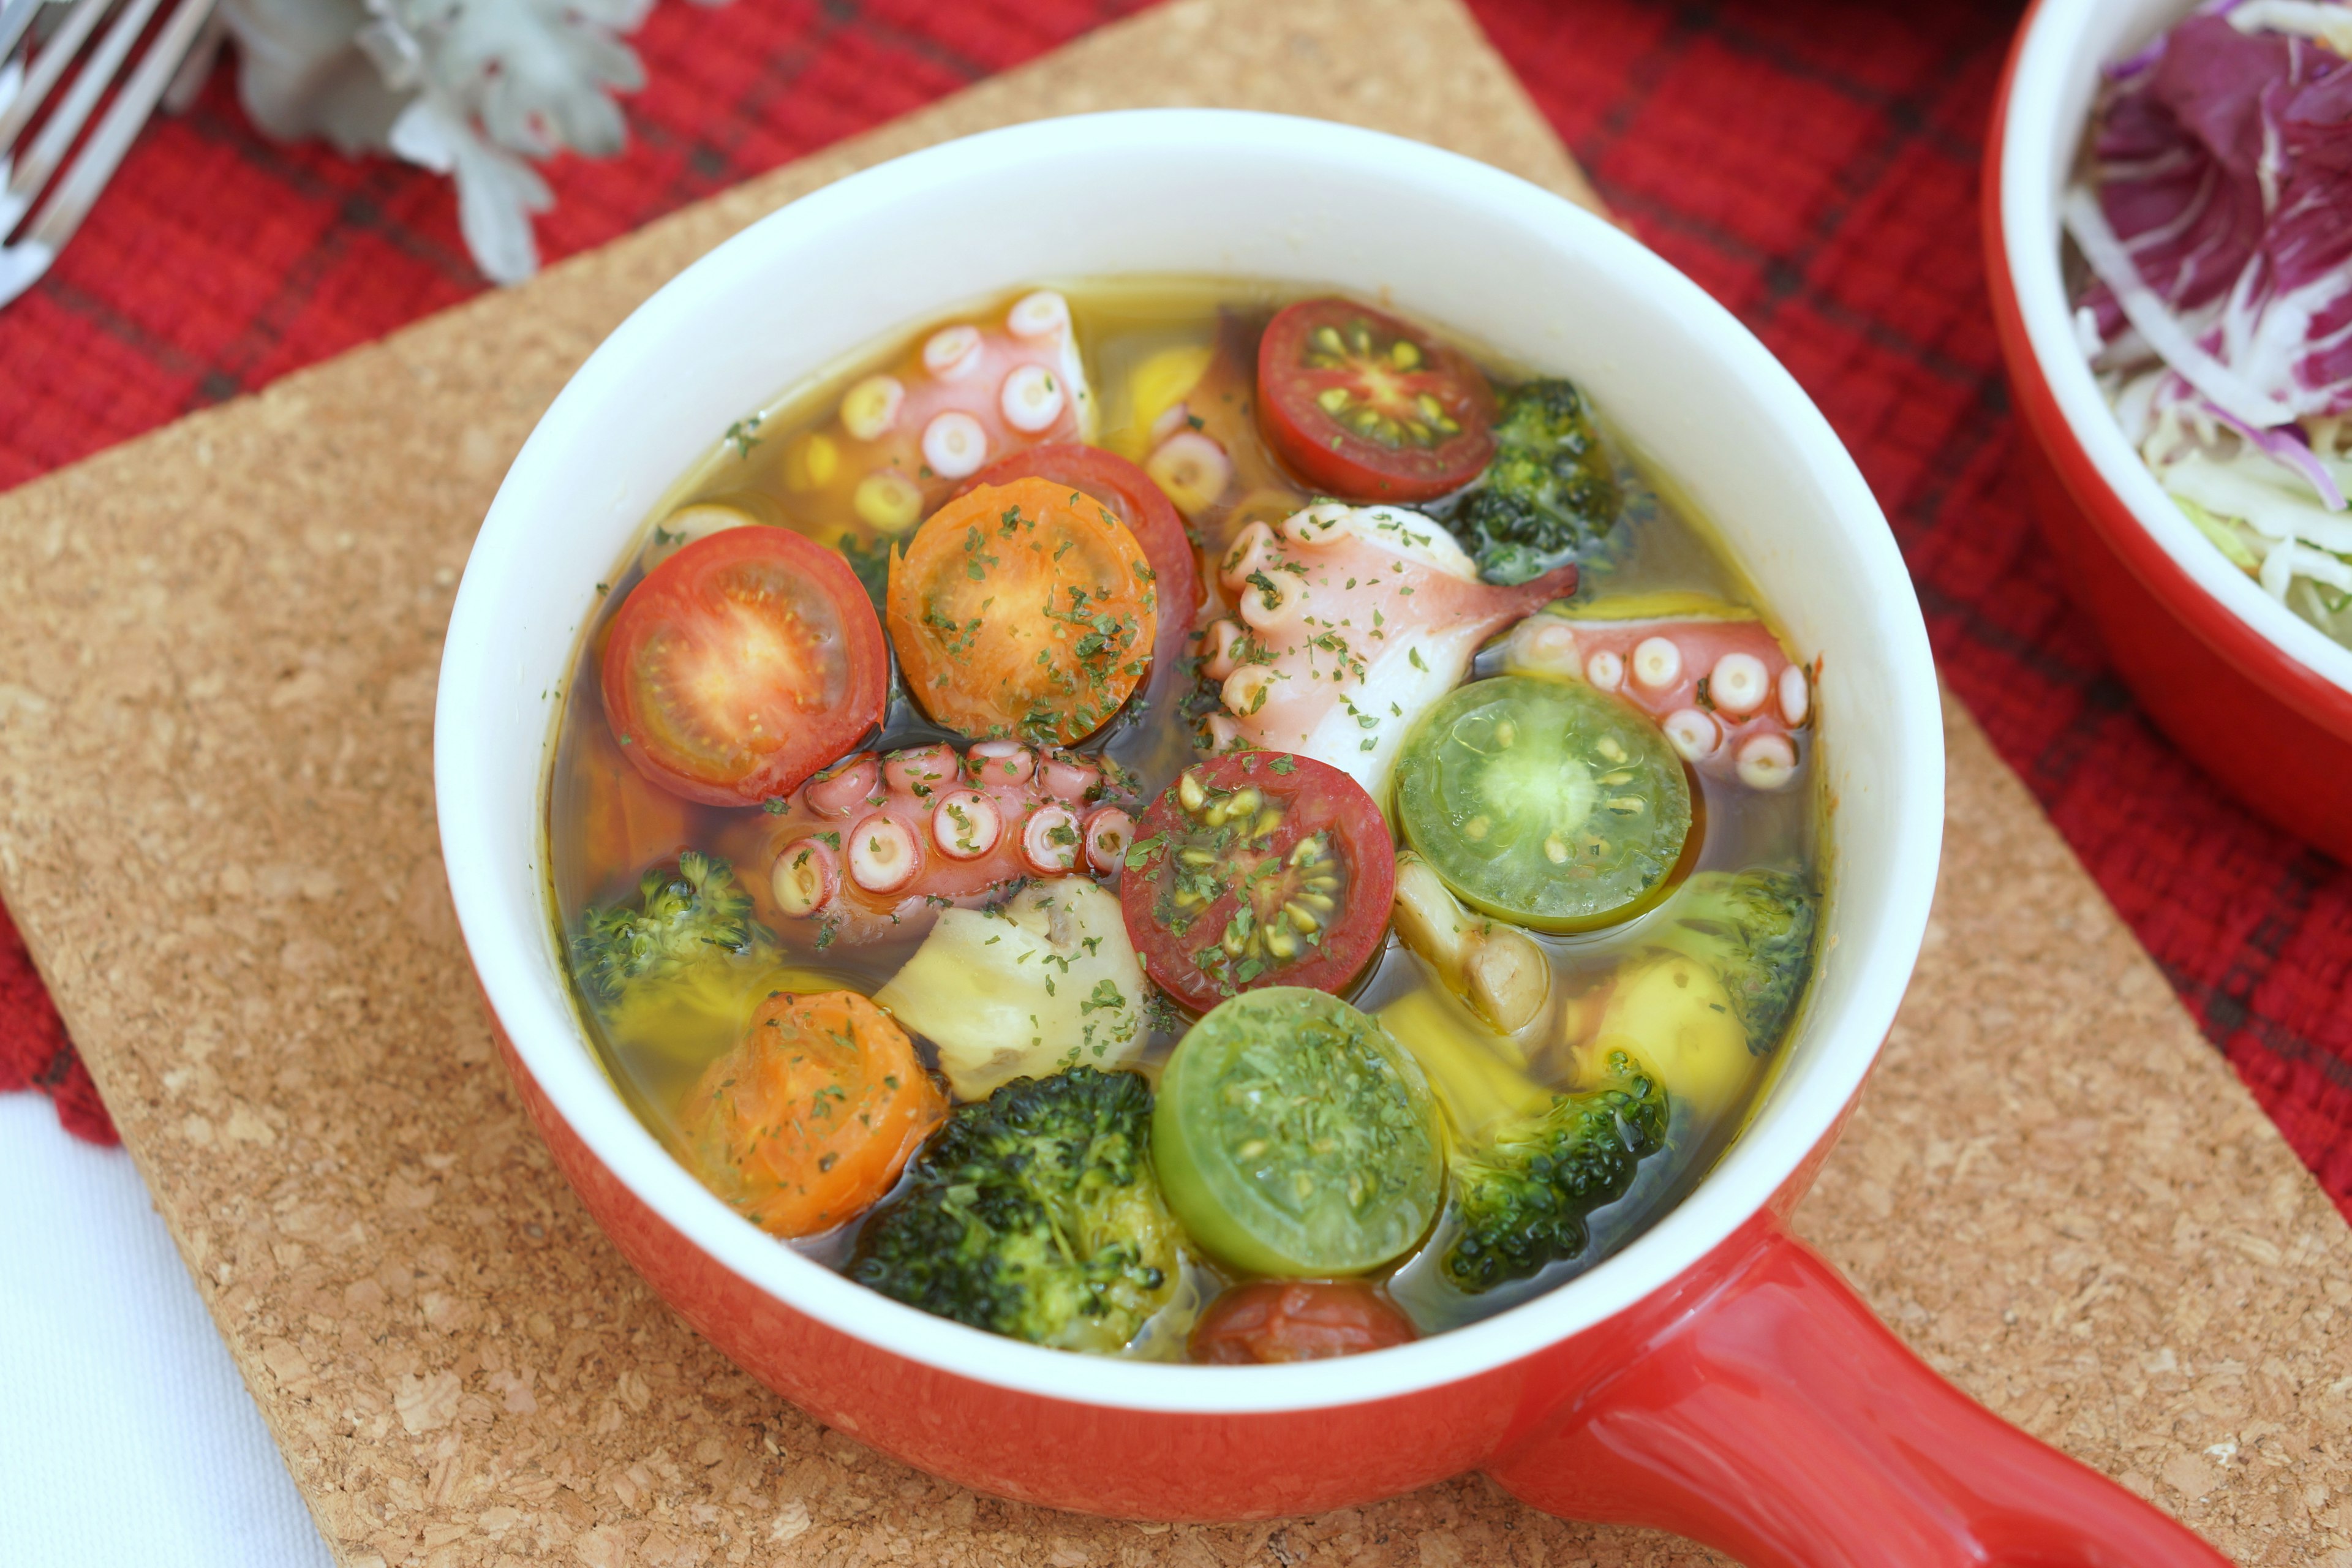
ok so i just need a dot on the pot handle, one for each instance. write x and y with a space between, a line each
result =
1776 1419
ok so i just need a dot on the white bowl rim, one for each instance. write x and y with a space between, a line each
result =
2049 53
1806 1106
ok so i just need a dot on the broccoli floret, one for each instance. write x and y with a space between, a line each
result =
1550 493
686 911
1034 1214
1755 930
1523 1194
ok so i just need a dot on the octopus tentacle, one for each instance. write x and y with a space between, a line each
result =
975 392
875 845
1712 675
1350 621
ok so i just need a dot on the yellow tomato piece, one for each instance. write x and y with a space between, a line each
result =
1672 1013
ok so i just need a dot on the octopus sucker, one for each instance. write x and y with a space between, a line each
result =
1351 621
1767 760
877 845
952 353
1192 469
1696 735
1728 695
973 393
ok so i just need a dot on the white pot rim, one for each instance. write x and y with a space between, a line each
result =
475 734
2058 56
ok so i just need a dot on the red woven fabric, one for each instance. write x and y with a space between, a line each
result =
33 1050
1813 163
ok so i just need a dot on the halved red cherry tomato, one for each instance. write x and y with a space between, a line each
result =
1297 1319
1370 408
742 663
1136 501
1258 869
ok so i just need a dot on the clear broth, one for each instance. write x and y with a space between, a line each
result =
1121 325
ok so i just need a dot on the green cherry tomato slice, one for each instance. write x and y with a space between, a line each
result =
1294 1137
1548 804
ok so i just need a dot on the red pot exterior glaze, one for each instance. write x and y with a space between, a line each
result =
2274 733
1146 1465
1758 1406
1755 1405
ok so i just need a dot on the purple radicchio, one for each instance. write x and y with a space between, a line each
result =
2222 224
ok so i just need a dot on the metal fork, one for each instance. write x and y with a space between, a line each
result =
68 200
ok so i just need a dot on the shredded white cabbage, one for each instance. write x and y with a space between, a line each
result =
2260 513
2256 490
2328 24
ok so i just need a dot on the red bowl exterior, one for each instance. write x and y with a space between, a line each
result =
2272 730
1148 1465
1753 1404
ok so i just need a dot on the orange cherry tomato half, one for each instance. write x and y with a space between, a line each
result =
742 663
1258 869
1370 408
806 1124
1297 1319
1136 501
1020 612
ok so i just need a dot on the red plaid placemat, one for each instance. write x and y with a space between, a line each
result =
1813 163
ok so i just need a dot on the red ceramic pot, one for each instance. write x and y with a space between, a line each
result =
2258 697
1714 1377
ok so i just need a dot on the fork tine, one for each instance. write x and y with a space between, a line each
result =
15 16
47 66
56 138
188 81
67 205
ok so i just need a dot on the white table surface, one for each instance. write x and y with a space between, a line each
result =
127 1439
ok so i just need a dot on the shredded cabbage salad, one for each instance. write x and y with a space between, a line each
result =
2214 218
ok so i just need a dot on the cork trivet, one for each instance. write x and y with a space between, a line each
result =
218 657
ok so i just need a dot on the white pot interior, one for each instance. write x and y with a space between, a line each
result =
2050 97
1483 254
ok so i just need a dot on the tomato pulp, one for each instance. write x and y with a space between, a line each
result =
1271 1320
1131 497
1369 408
1295 1137
1018 612
741 664
1258 868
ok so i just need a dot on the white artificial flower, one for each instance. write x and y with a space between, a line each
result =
470 89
